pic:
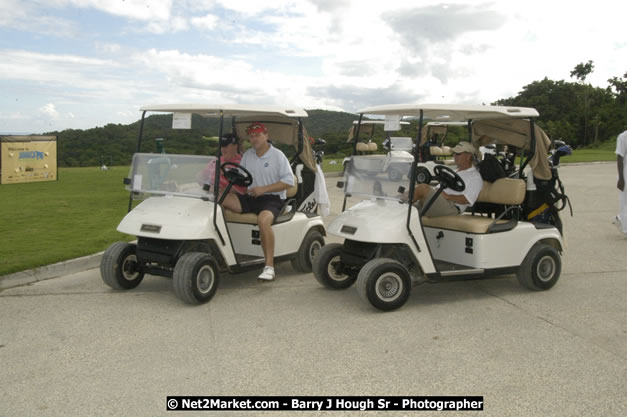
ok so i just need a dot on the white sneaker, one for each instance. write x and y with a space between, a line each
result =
616 222
267 274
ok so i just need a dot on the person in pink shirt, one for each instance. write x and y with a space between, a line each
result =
230 151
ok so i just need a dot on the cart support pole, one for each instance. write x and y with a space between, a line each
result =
216 181
532 148
354 153
412 180
139 144
301 137
470 131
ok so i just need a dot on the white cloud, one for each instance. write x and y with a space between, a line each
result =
176 24
40 67
313 53
23 16
136 9
110 48
17 116
50 111
254 7
207 22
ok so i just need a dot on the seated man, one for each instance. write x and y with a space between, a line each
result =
272 176
451 202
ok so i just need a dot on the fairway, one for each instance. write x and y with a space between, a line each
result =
48 222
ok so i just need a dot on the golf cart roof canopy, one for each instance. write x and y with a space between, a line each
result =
282 122
452 112
229 110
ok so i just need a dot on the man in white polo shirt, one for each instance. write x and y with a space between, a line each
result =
272 176
451 202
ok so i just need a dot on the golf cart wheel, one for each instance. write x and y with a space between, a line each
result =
394 174
310 246
423 176
384 283
541 268
118 267
327 268
195 278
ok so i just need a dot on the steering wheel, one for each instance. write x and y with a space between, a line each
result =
449 178
237 175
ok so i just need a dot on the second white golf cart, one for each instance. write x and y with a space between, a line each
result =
432 150
395 163
182 230
389 246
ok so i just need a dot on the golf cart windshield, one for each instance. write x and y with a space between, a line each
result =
168 174
360 182
401 144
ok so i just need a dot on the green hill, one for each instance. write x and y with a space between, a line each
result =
323 122
114 144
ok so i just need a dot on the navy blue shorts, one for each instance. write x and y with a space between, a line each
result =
271 202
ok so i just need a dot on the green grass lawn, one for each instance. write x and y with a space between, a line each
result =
590 155
602 152
327 166
48 222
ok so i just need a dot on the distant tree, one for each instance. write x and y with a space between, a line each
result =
580 72
618 110
618 88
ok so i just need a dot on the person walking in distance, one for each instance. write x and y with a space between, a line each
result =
621 164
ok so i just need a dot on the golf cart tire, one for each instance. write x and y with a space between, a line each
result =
311 245
541 268
385 283
423 176
394 174
196 278
117 266
324 271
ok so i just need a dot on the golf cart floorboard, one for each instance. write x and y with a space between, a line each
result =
451 271
249 262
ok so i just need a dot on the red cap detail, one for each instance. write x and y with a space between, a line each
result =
256 128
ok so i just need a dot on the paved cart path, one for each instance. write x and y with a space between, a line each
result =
72 346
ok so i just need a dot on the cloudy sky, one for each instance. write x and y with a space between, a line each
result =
77 64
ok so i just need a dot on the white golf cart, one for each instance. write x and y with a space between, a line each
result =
183 232
432 150
389 246
395 163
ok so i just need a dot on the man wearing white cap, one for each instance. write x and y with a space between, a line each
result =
451 202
